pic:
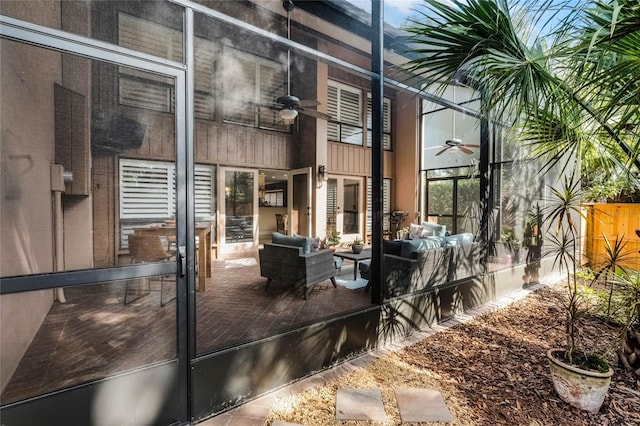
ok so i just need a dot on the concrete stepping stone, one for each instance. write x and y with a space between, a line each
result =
422 405
360 404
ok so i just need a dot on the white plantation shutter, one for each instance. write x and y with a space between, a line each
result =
204 78
332 204
146 189
386 204
147 193
386 120
272 83
136 93
155 92
149 37
240 87
204 195
333 129
345 108
249 81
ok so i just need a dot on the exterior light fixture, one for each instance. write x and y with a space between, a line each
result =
288 115
322 172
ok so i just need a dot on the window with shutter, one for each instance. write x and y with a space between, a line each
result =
146 90
147 193
386 120
386 204
251 81
345 108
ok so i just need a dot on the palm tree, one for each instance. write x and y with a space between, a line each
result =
567 78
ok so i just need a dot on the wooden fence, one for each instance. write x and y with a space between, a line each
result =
612 220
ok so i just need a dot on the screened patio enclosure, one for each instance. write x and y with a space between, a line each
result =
171 122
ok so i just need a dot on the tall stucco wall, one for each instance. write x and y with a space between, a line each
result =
27 77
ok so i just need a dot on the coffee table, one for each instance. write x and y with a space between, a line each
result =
355 258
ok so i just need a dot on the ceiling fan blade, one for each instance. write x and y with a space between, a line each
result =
470 145
435 147
308 102
465 150
314 113
441 151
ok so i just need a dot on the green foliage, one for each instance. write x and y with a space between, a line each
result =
564 76
589 362
357 241
508 236
585 274
333 238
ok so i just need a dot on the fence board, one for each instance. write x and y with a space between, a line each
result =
613 220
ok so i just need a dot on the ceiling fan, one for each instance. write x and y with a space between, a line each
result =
457 144
289 106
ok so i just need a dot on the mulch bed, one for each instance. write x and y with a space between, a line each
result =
491 371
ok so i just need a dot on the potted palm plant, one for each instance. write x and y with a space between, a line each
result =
580 377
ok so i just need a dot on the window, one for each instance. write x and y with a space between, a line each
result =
252 84
274 198
386 204
145 90
386 118
454 201
147 193
345 108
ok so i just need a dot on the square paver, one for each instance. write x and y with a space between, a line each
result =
360 404
422 405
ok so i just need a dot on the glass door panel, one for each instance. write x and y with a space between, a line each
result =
352 203
300 209
345 207
239 210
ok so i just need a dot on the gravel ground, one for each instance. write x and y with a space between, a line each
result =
491 371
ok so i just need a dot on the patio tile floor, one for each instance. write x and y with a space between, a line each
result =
94 334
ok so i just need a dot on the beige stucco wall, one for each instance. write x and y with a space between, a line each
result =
406 184
27 151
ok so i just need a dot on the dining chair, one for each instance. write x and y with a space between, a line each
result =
144 249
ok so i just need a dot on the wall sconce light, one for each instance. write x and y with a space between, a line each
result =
322 172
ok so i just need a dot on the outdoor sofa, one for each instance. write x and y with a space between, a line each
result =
295 260
417 264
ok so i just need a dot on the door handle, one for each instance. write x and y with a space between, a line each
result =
182 260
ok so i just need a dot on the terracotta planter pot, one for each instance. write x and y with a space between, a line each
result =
580 388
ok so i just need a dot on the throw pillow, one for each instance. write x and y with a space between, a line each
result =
306 244
415 231
294 241
438 230
426 233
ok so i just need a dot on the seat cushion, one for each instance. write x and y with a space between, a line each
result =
364 267
459 239
391 247
337 262
411 248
